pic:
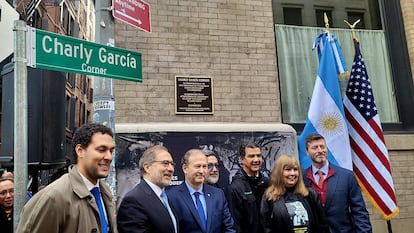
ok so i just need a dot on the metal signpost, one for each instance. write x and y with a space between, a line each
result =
68 54
42 49
135 13
20 120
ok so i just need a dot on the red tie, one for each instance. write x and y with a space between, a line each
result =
321 178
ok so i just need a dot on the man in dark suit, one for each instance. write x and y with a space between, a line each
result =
339 192
200 208
146 208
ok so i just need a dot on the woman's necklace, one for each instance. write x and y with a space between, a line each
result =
8 214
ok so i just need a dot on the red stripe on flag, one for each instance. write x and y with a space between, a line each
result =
367 138
373 170
372 192
377 129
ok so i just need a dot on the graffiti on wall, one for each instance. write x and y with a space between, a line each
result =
225 145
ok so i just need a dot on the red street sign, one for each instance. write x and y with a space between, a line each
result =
135 13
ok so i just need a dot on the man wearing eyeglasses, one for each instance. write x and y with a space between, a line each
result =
213 169
146 207
6 204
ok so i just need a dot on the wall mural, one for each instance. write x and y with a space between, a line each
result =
225 145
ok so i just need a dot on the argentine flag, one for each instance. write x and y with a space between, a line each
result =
326 112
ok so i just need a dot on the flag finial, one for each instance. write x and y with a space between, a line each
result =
326 21
353 29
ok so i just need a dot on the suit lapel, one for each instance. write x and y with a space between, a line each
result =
333 180
188 200
159 206
209 205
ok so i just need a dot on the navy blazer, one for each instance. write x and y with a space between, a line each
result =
142 211
344 205
219 219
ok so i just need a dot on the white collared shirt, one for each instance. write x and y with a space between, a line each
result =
90 186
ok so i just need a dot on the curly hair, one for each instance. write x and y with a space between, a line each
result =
83 135
277 187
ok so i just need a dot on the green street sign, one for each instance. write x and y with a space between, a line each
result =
68 54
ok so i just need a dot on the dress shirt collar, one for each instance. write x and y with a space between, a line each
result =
89 184
157 190
192 191
324 169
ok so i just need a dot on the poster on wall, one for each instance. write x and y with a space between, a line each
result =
222 139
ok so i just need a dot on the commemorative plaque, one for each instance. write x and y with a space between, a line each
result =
194 95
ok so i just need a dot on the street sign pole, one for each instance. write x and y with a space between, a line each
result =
103 90
20 119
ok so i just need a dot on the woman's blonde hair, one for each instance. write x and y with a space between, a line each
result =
277 187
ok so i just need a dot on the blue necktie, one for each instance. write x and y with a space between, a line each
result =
97 195
165 201
200 210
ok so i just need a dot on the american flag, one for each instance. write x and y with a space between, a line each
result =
369 153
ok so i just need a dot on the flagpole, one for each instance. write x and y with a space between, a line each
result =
389 226
353 29
356 41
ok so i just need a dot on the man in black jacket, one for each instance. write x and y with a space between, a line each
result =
246 190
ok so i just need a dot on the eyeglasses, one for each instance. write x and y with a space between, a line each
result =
165 162
5 192
210 166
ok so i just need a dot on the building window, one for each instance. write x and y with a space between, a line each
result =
319 14
383 47
355 16
292 16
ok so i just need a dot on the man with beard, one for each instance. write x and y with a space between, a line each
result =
78 201
338 190
146 208
213 169
200 208
246 190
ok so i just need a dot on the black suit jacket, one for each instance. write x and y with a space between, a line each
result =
142 211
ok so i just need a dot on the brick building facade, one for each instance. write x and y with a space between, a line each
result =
234 43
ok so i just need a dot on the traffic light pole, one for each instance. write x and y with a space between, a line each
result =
103 92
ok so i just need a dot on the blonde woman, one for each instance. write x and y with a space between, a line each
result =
287 205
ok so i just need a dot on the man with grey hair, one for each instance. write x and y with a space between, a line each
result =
213 173
146 207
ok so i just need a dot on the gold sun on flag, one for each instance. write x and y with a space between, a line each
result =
330 123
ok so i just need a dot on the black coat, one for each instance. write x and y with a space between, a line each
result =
275 217
6 224
142 211
244 195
